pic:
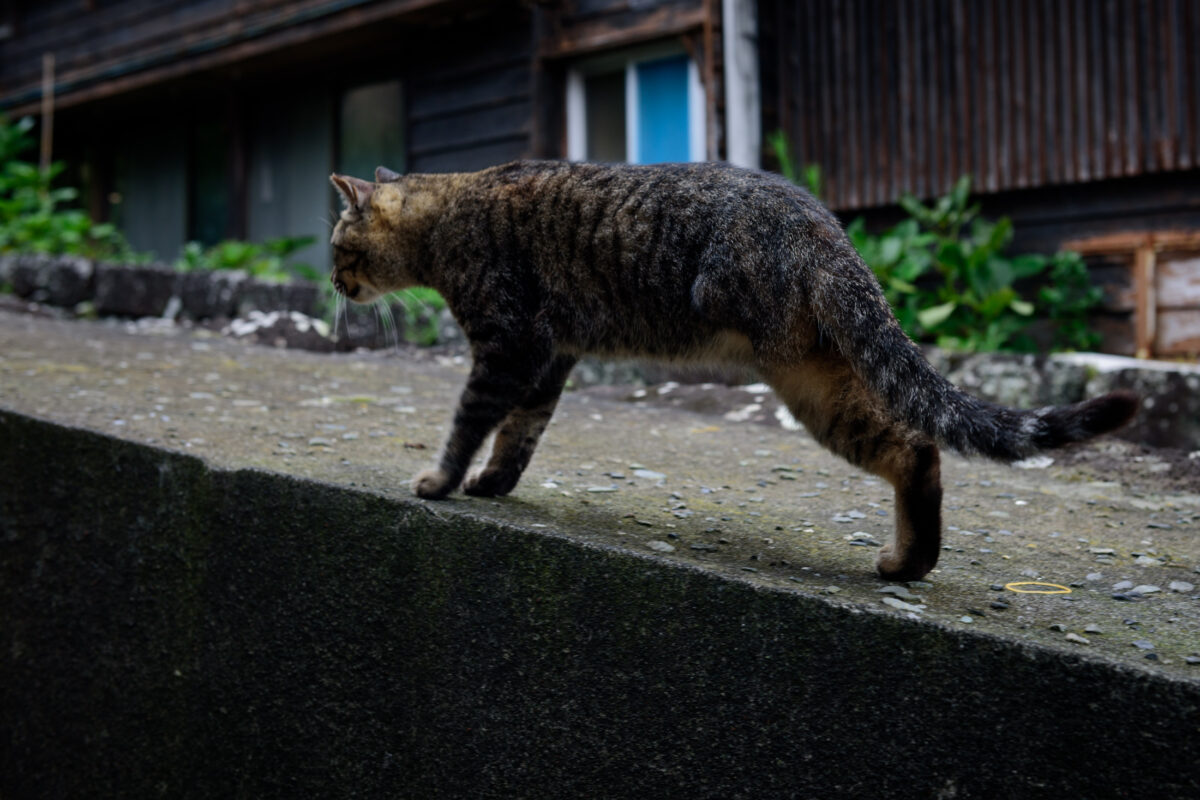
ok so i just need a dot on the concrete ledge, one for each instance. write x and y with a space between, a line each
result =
173 630
186 627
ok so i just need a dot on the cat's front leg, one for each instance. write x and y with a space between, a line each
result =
500 378
519 433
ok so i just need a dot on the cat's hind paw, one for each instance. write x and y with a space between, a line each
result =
491 482
906 566
432 484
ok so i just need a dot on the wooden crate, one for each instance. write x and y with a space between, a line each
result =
1165 279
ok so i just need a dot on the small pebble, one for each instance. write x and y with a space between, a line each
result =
1183 587
1192 659
1143 644
1146 588
1058 627
965 619
1093 629
1151 656
660 546
1095 576
1075 637
996 604
831 590
1122 586
899 591
900 605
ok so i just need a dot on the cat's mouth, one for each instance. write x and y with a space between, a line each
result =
357 292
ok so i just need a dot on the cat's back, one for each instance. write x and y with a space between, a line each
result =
675 210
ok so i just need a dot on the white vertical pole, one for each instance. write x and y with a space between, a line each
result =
697 131
632 150
576 117
743 114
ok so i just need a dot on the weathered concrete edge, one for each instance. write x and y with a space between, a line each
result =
160 616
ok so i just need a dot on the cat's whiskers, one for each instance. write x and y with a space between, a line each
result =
383 308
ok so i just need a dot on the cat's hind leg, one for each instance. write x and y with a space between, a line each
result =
825 394
518 435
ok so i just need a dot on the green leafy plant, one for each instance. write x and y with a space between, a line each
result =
36 216
1068 296
809 176
945 272
266 260
421 309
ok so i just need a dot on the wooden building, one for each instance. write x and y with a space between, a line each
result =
205 119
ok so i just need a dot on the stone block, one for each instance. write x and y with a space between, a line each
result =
134 291
209 294
55 280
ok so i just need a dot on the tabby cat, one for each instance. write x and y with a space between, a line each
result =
543 261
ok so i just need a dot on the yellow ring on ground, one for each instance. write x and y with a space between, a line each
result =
1054 588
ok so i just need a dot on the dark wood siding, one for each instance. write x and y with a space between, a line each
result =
469 105
906 96
108 47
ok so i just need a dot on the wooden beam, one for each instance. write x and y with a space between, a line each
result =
1128 243
588 37
1143 289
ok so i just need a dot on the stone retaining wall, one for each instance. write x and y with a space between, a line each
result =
148 290
1024 381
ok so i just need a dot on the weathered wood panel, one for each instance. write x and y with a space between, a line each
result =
906 96
1179 281
1178 332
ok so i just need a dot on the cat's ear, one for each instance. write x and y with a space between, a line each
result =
385 175
355 191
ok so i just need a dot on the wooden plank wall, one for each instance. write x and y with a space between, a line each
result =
83 35
905 96
469 103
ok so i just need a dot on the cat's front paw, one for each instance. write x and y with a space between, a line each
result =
491 482
432 484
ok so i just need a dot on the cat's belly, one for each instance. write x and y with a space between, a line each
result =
720 347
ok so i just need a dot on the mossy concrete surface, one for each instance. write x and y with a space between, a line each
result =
214 582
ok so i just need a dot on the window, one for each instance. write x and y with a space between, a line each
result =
209 188
644 107
372 130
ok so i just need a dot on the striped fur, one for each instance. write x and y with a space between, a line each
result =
542 262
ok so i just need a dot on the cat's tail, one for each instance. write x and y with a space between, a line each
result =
851 308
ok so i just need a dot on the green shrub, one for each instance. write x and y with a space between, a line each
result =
35 216
945 272
267 260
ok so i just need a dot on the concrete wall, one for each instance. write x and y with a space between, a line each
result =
170 630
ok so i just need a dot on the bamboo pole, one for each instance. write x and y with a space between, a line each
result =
47 110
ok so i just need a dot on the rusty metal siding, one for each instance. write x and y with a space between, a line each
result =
905 96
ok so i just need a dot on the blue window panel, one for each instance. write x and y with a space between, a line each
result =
662 128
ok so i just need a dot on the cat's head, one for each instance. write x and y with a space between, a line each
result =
372 255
